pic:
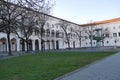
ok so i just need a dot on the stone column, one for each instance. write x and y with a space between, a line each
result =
7 44
55 44
46 46
51 46
39 44
25 46
18 45
33 45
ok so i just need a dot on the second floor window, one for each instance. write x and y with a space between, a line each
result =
114 34
107 42
57 34
107 35
86 37
119 34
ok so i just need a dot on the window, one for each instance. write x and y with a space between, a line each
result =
90 43
106 29
85 37
47 32
57 34
107 35
57 26
71 29
47 24
43 34
36 32
119 34
114 34
52 25
114 27
115 41
52 33
107 42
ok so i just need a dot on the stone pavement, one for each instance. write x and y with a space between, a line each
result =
106 69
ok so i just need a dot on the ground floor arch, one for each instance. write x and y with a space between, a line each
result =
53 44
13 45
73 44
3 45
36 45
30 45
47 45
57 44
22 45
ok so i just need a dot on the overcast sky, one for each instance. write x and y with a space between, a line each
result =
83 11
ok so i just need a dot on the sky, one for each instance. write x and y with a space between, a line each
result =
85 11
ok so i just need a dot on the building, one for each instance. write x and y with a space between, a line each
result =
109 29
53 37
94 34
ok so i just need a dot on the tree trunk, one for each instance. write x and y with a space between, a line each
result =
41 45
41 33
68 42
80 42
9 45
27 45
68 45
102 43
91 42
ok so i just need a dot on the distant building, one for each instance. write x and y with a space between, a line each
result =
109 29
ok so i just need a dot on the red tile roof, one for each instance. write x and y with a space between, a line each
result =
101 22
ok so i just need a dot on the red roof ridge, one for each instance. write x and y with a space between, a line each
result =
102 22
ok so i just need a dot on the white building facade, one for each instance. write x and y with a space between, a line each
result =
110 30
54 36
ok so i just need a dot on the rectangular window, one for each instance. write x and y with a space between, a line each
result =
85 37
107 35
114 27
119 34
114 34
52 25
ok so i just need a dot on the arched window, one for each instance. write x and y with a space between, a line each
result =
52 33
29 45
57 33
47 32
36 31
13 45
22 45
36 45
3 45
43 33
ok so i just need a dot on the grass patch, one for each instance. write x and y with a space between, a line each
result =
47 65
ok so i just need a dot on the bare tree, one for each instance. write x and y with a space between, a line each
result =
79 32
12 10
65 25
43 17
90 31
100 35
43 6
26 26
104 33
8 19
41 21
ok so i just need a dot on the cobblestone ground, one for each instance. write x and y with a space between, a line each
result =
106 69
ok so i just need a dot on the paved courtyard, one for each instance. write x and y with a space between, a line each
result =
106 69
